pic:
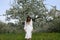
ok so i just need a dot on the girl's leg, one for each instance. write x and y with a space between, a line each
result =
26 39
29 39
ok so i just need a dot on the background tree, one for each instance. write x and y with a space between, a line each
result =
38 12
21 8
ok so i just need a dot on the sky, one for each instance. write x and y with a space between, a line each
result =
52 2
5 5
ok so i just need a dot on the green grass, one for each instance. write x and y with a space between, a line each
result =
36 36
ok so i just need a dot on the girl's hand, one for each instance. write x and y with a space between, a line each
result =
25 30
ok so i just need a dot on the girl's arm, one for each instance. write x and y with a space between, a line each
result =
32 24
25 26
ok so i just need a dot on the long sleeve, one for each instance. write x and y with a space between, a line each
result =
25 26
31 24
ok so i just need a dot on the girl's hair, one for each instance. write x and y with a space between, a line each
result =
28 19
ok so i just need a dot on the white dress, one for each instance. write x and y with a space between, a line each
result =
28 28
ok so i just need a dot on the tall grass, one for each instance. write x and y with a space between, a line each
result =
35 36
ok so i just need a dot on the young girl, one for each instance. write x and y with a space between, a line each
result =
28 27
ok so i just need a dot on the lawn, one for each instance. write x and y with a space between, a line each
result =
36 36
